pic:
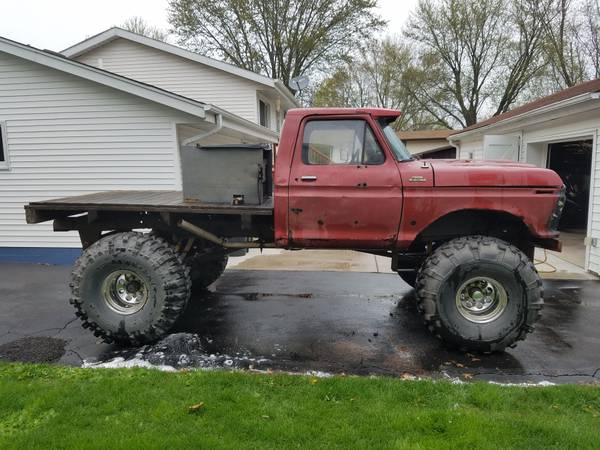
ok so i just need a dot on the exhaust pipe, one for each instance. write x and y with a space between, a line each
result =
207 235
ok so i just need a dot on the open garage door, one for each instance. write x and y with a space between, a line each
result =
573 162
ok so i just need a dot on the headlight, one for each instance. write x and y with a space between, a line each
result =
558 209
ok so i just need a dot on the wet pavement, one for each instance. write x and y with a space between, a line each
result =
334 322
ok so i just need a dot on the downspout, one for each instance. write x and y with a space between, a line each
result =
456 145
218 126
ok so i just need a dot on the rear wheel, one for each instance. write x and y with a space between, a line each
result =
206 264
206 269
130 288
479 293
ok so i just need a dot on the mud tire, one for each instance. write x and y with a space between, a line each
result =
461 259
156 261
205 270
409 278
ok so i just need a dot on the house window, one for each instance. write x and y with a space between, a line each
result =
3 147
264 113
340 142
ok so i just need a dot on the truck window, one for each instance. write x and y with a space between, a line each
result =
397 146
339 142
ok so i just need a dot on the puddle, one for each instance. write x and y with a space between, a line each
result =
254 296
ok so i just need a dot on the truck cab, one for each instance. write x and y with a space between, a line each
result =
343 179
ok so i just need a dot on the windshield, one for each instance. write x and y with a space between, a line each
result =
398 147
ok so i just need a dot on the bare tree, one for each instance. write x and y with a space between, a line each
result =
138 25
279 38
374 77
523 60
590 36
565 52
475 57
344 88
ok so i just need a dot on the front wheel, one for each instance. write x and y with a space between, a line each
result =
409 277
479 293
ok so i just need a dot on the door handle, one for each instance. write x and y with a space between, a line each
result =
308 178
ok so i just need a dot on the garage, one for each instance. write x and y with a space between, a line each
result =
557 132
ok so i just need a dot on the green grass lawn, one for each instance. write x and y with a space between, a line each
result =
57 407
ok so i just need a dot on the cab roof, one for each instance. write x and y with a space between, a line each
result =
374 112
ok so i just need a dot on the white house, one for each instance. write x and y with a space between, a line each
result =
70 128
559 131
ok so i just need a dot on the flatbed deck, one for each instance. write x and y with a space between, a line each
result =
135 201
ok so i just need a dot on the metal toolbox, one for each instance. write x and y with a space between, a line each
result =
233 174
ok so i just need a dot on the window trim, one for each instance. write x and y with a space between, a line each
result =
4 165
304 157
268 111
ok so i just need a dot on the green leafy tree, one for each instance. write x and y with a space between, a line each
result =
279 38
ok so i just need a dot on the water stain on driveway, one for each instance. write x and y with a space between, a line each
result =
33 349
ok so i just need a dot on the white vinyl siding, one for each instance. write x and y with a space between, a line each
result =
471 149
176 74
501 147
68 136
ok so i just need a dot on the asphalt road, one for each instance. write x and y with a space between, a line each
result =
336 322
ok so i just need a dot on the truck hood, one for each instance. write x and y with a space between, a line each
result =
453 173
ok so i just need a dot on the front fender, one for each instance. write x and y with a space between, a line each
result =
424 206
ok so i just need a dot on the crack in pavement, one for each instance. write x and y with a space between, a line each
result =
76 354
58 329
67 324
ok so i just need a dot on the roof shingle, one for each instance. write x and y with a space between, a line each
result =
583 88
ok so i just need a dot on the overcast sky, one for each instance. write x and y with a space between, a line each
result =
58 24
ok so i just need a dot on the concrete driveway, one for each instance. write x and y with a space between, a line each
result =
336 322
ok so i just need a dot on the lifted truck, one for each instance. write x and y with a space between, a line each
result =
462 233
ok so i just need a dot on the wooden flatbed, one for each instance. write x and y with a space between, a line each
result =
136 201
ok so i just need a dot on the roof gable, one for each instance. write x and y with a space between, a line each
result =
146 91
134 87
116 33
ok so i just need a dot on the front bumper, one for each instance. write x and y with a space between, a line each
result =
553 244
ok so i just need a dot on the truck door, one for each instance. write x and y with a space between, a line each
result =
345 189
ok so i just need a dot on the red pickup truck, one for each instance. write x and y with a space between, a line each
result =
462 233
